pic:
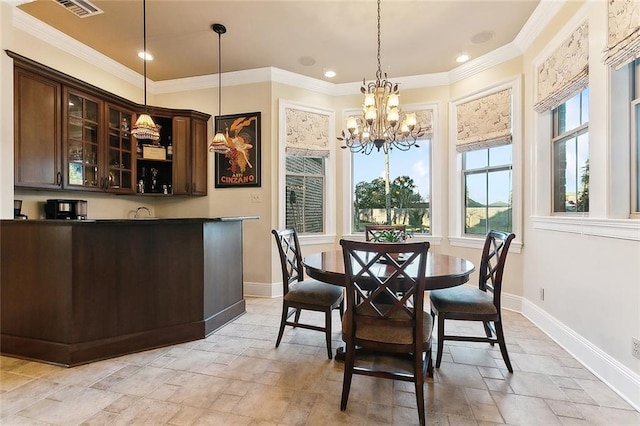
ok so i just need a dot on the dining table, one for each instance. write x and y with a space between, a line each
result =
442 271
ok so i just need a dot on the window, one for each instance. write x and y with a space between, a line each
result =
305 193
487 181
571 155
409 178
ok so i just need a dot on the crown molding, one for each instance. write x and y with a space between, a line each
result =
538 20
543 13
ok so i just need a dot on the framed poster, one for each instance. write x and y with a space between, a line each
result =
240 165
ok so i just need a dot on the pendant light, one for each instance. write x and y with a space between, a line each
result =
145 128
219 142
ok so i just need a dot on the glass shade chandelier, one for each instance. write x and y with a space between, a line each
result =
145 128
219 142
382 124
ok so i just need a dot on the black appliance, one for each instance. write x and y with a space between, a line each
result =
66 209
17 209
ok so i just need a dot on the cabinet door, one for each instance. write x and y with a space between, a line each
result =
120 151
37 131
181 155
82 141
199 152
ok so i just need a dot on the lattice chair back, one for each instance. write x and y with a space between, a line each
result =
385 233
494 256
290 256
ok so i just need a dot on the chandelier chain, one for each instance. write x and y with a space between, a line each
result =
379 71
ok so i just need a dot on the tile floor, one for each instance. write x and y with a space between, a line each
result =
236 376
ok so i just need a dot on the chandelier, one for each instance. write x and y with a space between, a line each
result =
219 142
145 128
380 125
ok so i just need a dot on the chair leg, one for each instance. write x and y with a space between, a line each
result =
440 339
341 309
328 331
487 330
429 362
503 345
297 317
285 310
418 375
348 374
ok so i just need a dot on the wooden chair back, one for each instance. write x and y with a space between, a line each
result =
290 256
494 256
385 289
381 233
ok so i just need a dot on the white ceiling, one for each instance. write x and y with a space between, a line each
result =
417 37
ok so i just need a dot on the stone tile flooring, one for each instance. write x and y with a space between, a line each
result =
236 376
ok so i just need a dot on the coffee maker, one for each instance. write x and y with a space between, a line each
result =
17 208
66 209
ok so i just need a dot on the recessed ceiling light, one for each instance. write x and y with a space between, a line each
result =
329 73
145 55
463 57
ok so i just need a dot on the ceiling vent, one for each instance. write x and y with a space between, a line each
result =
81 8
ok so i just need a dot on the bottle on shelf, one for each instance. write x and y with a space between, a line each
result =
169 150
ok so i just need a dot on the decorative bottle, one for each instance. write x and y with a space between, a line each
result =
169 150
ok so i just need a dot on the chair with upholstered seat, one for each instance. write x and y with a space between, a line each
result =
385 233
386 331
298 293
477 304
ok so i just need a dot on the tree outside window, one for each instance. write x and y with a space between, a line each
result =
409 189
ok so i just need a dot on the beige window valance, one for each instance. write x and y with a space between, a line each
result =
484 122
425 120
565 72
307 133
624 33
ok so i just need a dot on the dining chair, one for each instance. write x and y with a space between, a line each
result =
477 304
385 233
299 294
386 331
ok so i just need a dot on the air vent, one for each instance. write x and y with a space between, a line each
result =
81 8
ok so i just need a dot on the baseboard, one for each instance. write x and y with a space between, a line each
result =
269 290
618 377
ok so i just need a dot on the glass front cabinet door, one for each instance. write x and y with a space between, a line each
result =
98 147
120 151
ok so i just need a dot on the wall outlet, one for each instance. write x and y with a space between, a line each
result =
542 294
255 197
635 347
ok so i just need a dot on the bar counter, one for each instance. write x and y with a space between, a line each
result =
77 291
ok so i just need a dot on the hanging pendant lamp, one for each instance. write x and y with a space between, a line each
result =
145 128
219 142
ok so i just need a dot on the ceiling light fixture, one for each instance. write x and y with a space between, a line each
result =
219 142
382 126
145 128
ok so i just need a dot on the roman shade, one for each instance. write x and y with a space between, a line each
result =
623 45
565 72
484 122
425 121
307 133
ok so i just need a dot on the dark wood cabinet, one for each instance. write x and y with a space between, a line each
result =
37 119
71 135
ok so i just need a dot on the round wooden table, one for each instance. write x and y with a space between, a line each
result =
442 270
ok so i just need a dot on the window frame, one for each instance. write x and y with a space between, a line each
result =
457 235
486 170
329 224
435 237
556 137
304 176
